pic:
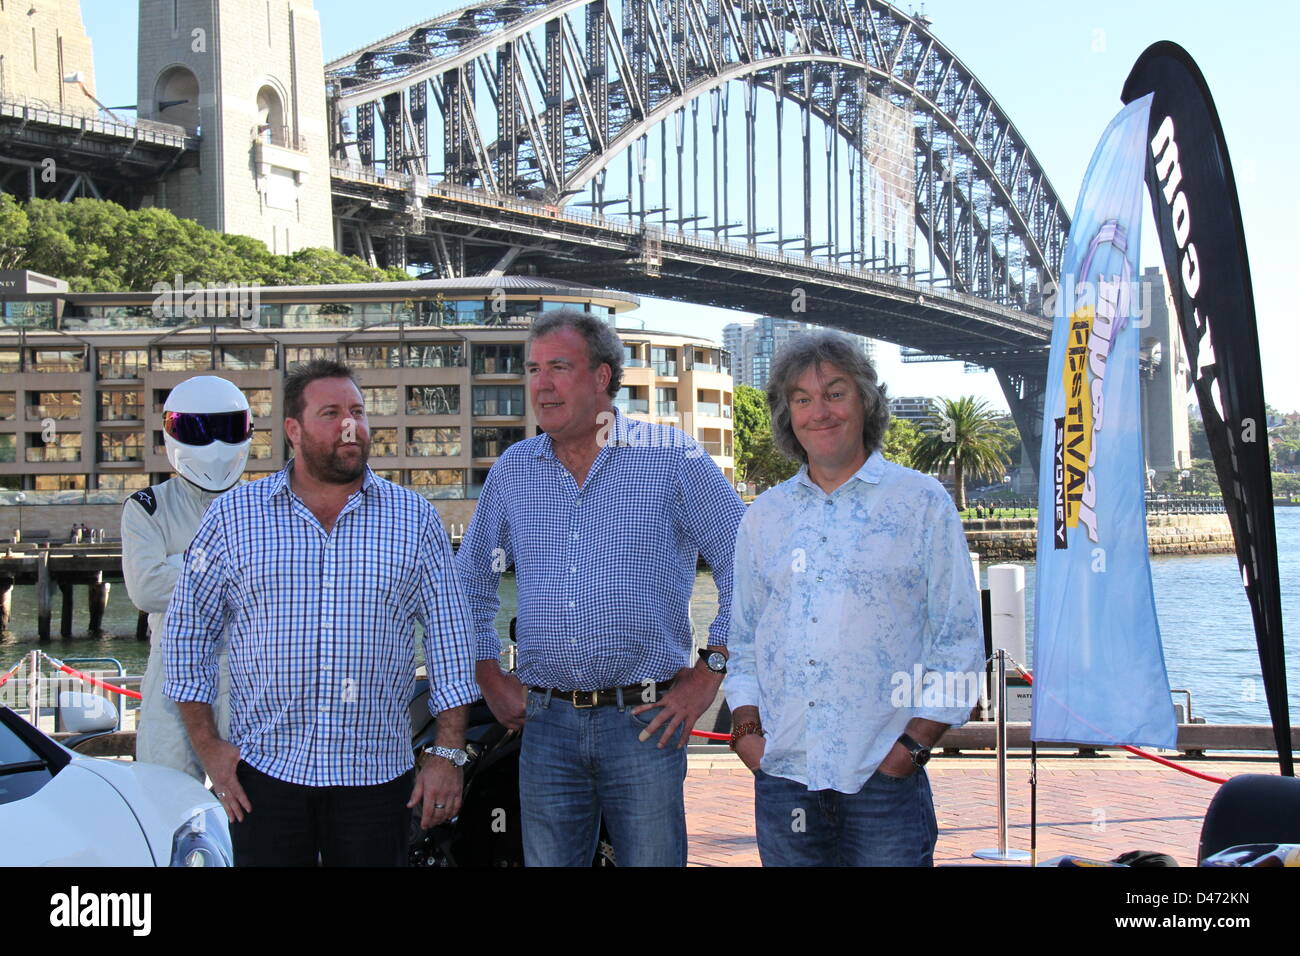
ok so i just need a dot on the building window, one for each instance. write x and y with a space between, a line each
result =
59 482
260 447
499 359
632 357
372 356
663 361
491 442
122 482
259 401
499 400
665 401
380 400
240 357
435 355
121 363
631 399
438 482
182 360
121 446
121 406
8 448
433 400
61 406
8 406
301 354
64 446
383 442
57 360
389 474
8 360
433 442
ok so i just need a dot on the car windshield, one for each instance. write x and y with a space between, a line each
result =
23 770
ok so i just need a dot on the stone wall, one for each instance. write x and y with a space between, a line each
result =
40 44
1016 539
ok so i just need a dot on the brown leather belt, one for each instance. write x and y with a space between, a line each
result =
632 694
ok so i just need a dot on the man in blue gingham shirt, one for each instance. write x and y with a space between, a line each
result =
603 519
320 603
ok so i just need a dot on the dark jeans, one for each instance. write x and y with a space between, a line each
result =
889 822
296 825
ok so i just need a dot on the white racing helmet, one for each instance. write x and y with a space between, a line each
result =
208 428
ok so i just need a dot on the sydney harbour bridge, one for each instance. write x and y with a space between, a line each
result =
825 160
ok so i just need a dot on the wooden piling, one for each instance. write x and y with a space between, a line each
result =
6 601
43 594
69 591
97 597
142 627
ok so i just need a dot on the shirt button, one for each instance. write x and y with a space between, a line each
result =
575 537
819 577
573 570
823 539
814 620
811 704
812 662
570 604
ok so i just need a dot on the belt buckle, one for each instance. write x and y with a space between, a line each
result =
592 696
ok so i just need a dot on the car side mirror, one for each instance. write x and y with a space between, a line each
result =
84 713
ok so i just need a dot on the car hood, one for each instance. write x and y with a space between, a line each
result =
161 798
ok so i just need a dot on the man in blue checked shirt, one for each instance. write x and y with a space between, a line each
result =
320 571
603 519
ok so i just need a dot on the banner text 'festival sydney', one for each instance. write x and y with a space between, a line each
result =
1099 673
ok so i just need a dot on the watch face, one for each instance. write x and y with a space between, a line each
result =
716 661
921 757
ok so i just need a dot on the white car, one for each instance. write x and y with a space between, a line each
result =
60 808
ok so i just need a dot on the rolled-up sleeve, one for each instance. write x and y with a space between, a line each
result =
484 555
448 640
741 683
196 614
711 514
954 650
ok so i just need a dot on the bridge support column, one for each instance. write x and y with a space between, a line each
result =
1025 390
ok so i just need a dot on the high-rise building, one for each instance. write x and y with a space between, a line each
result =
753 346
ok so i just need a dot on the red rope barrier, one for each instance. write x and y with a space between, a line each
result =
10 673
1134 750
92 680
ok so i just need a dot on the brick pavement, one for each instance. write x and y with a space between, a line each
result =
1096 807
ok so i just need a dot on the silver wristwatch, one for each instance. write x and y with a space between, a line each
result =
457 757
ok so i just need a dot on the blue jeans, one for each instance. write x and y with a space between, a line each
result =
579 763
889 822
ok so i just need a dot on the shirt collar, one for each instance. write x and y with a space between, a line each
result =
872 470
279 482
610 433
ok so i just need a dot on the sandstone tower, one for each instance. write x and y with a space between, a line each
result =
41 45
248 77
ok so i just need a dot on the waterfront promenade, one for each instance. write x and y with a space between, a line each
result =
1096 807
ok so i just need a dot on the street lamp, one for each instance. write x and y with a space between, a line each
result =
1185 477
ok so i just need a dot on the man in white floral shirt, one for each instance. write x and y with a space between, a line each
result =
855 632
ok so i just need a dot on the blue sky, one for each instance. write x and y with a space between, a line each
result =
1057 69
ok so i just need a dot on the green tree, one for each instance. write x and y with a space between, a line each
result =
750 420
901 440
767 466
966 436
14 227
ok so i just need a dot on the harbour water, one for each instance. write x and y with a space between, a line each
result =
1209 641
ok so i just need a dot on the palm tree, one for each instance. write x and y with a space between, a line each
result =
966 435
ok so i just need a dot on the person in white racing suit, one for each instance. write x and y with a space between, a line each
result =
208 428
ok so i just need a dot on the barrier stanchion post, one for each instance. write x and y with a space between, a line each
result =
1001 853
34 689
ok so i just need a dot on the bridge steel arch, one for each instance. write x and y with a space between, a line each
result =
535 99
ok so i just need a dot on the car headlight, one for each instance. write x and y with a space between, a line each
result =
203 840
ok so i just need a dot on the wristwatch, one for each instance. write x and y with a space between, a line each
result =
920 753
715 661
457 757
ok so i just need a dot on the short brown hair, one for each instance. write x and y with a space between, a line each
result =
300 376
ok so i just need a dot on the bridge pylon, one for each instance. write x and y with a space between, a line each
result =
246 76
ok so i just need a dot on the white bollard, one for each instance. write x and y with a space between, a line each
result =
1007 609
975 566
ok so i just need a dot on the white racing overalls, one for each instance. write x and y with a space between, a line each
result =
158 524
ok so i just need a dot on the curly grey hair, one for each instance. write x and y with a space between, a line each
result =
604 347
807 351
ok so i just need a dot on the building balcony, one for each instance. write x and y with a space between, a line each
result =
633 406
52 453
60 413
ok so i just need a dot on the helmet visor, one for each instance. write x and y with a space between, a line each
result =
203 428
